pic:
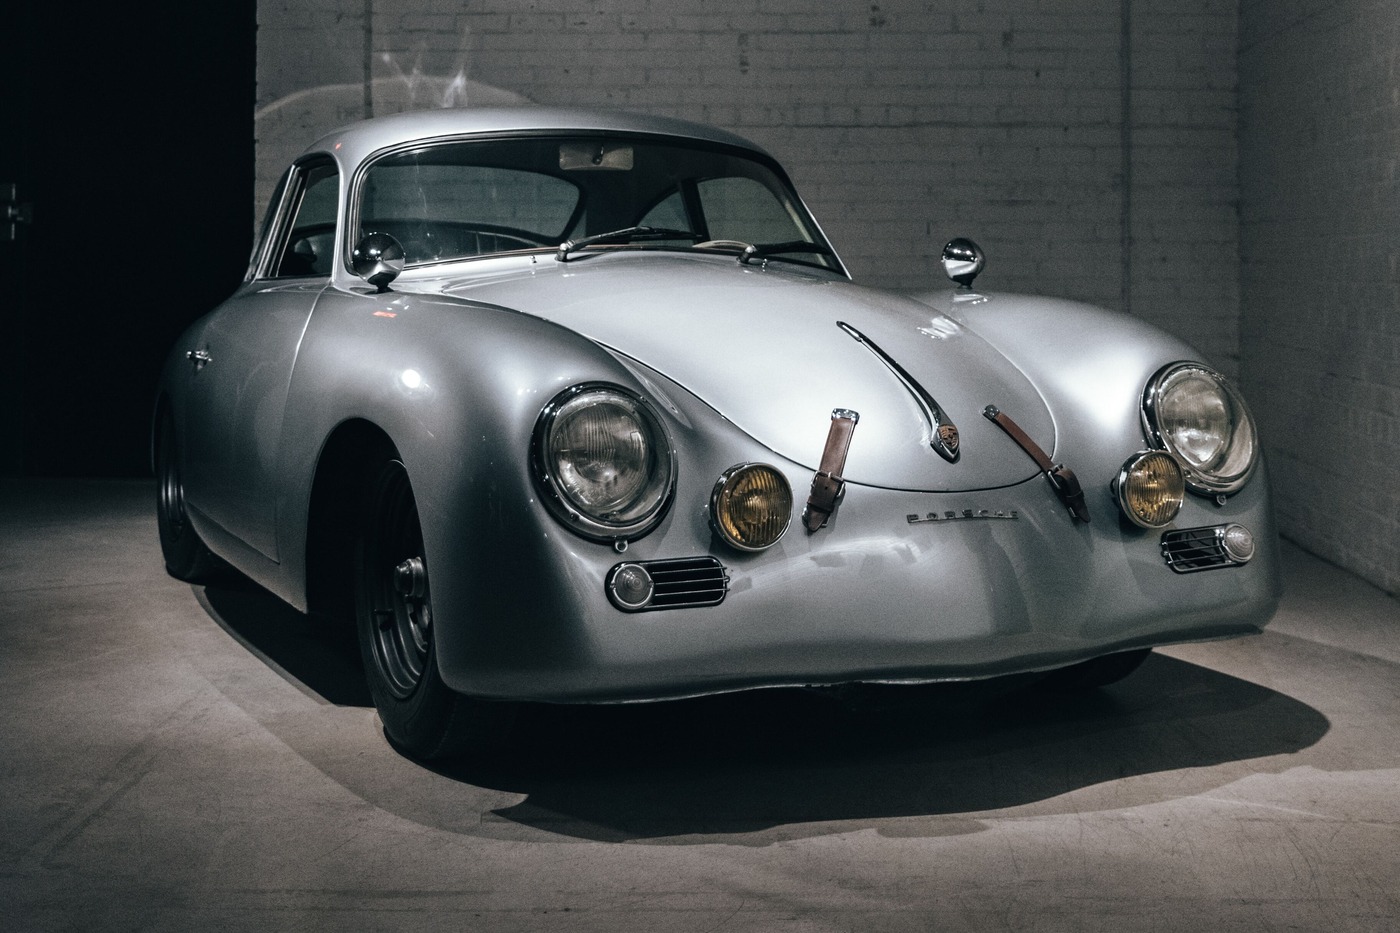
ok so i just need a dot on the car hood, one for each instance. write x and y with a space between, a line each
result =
764 349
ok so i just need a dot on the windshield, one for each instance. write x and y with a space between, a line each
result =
461 200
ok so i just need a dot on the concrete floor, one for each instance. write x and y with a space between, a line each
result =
174 758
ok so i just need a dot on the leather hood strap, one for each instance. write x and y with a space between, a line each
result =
828 483
1062 478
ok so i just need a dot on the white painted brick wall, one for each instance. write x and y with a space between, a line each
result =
1320 244
904 122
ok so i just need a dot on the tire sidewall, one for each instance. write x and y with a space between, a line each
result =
420 723
186 556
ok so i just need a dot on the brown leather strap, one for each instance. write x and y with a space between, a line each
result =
827 484
1003 421
1061 477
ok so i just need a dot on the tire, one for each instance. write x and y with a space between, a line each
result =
186 556
421 715
1096 672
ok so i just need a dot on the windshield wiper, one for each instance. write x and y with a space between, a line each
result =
627 234
764 250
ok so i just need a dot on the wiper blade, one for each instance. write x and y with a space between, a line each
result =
627 234
763 250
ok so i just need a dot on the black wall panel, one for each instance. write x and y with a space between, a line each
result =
128 131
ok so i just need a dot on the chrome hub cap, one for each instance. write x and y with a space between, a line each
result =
410 579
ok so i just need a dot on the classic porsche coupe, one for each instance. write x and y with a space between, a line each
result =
582 407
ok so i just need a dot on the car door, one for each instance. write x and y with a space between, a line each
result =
242 364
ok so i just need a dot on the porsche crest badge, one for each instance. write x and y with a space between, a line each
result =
948 437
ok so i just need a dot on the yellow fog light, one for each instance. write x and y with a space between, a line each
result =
1150 488
751 506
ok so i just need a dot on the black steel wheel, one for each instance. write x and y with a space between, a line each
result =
186 556
393 606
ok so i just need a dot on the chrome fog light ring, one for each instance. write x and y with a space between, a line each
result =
751 506
1150 488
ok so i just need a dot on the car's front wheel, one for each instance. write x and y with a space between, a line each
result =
186 556
394 614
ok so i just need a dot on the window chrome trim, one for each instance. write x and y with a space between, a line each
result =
350 214
275 222
283 214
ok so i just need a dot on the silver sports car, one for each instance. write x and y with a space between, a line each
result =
582 407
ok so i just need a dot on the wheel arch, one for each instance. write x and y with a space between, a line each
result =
352 447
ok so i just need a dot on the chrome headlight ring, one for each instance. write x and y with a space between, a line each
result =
1195 414
604 463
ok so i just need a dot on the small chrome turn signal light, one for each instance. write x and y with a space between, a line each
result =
1237 542
630 587
1150 488
751 506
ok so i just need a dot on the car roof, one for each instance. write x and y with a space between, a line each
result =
354 142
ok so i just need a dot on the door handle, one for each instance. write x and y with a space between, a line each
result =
13 213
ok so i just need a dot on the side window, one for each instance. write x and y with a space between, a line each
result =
310 241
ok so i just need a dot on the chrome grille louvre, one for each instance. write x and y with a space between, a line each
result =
1192 549
687 581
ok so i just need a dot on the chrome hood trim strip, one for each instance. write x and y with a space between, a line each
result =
942 433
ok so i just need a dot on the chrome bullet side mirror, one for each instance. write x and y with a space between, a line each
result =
378 259
963 261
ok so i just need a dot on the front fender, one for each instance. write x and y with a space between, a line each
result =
456 386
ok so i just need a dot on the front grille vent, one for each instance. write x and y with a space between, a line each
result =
1192 549
687 581
639 586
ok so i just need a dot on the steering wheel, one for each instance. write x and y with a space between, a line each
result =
438 240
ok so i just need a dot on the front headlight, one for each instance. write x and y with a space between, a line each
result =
1191 411
604 462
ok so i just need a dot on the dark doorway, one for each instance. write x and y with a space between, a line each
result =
127 134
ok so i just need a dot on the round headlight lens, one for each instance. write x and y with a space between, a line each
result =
1193 412
751 506
605 459
1150 489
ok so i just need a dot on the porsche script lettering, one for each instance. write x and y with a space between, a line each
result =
952 515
